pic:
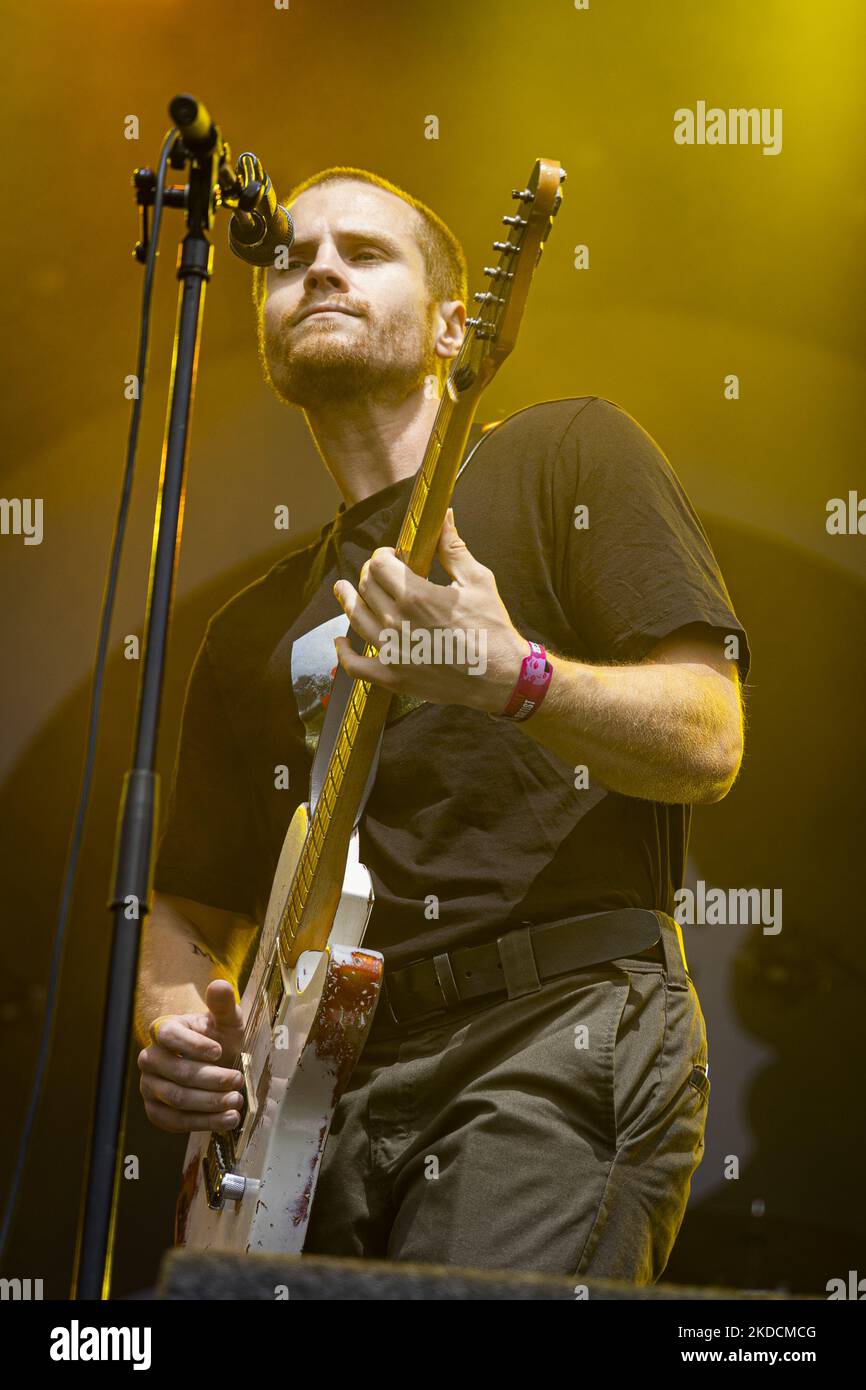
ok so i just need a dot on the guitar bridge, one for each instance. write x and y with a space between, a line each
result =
214 1168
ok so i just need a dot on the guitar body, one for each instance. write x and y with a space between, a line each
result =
252 1189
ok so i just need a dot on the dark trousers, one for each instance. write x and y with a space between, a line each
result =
556 1132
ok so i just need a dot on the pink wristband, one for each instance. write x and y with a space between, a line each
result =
532 683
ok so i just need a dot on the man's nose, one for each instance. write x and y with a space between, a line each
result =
325 271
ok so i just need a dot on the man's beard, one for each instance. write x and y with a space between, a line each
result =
323 365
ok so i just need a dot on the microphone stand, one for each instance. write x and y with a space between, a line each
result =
133 869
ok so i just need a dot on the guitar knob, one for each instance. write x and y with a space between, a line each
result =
232 1187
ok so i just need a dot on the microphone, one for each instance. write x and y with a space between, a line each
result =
260 225
195 127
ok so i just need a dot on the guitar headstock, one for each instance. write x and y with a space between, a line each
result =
492 332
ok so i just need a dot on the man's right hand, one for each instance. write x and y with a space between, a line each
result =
183 1088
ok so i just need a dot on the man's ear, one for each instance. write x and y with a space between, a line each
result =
451 327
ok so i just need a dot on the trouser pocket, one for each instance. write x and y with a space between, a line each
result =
700 1081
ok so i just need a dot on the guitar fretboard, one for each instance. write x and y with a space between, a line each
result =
344 748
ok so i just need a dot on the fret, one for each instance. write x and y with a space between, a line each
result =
357 702
295 912
343 749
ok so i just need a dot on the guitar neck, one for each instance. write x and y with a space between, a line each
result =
434 483
307 917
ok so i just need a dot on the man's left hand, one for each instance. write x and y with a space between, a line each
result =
450 644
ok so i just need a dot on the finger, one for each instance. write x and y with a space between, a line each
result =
188 1121
158 1061
177 1035
365 623
364 668
189 1097
395 577
454 554
381 604
222 1002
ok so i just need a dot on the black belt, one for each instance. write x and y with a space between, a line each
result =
517 962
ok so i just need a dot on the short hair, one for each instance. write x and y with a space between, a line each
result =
444 257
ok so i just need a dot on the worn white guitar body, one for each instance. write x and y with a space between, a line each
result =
252 1189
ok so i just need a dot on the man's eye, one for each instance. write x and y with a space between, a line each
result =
372 254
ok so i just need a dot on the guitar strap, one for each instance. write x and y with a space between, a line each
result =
341 688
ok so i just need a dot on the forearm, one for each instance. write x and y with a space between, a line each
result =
669 729
175 968
657 731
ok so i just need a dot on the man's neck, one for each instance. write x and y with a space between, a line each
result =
369 444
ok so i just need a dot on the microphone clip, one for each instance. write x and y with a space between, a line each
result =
260 226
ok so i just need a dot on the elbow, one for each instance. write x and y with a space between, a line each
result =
720 771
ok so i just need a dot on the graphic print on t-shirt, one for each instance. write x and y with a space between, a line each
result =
314 665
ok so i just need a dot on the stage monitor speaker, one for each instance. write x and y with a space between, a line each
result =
219 1277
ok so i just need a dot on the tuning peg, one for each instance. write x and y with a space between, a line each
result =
483 329
514 221
506 246
522 195
497 273
562 176
485 297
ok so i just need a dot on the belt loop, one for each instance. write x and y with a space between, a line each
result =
674 949
518 962
447 982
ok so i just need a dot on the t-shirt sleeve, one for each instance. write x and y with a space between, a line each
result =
207 850
642 566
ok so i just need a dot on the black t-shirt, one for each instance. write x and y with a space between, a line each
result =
471 827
